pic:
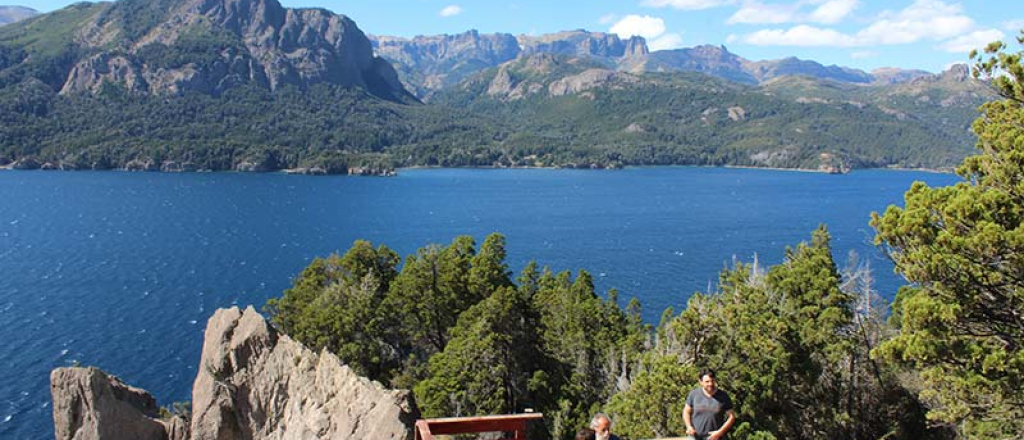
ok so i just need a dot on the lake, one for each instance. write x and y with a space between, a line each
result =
121 270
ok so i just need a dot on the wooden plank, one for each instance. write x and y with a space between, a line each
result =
502 423
423 430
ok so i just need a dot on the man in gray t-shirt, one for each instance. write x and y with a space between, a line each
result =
708 412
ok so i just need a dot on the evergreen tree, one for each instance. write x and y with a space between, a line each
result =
488 363
334 304
962 321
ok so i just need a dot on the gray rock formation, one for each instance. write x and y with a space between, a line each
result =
589 79
256 384
246 42
252 384
581 43
26 163
88 404
92 73
433 62
427 64
769 69
892 75
712 60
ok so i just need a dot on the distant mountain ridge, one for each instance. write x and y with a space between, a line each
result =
427 64
171 46
249 85
604 116
430 63
11 14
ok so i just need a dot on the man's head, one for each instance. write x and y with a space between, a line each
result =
708 381
602 426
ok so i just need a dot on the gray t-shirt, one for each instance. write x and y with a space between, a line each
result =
708 412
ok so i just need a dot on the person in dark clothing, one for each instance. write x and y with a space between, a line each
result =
585 434
708 412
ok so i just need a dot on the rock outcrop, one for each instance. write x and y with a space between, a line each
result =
589 79
88 404
209 46
581 43
253 384
429 63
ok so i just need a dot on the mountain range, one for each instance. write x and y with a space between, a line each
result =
251 85
430 63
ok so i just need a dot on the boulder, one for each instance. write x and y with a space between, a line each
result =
88 404
26 163
254 383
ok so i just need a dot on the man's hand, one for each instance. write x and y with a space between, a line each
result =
690 431
715 435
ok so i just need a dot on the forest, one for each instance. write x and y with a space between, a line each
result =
806 349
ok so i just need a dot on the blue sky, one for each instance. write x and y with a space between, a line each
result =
866 34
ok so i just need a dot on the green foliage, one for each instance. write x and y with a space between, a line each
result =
790 350
335 305
592 342
684 118
488 365
201 45
654 119
432 290
177 409
791 344
653 405
962 247
452 325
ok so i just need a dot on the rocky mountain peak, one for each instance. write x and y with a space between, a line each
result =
579 42
893 75
710 52
636 46
172 46
957 72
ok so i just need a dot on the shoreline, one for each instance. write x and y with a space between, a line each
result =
302 171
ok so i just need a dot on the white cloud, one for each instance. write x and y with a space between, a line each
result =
802 35
450 10
607 18
643 25
651 28
923 20
861 54
974 40
825 11
687 4
1014 25
832 11
754 12
666 42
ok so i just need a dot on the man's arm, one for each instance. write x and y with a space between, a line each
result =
688 419
715 435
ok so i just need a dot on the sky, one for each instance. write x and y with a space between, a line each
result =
866 34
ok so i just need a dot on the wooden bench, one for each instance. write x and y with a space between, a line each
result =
516 424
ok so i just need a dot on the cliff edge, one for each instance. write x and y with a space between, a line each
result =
253 384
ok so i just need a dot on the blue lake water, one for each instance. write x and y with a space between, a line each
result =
122 270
